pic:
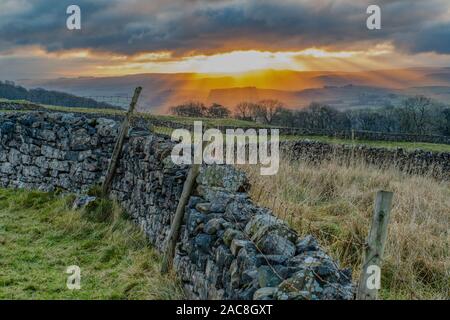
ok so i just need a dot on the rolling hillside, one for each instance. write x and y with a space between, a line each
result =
10 91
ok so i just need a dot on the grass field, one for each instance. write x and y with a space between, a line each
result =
40 236
335 204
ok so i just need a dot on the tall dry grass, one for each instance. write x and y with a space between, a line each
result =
335 202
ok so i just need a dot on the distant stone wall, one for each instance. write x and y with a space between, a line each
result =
395 137
229 248
368 135
436 164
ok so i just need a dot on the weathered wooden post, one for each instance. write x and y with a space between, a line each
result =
369 282
119 144
353 146
178 218
175 227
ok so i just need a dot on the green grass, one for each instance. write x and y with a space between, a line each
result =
40 236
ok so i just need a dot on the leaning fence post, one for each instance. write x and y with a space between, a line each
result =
178 218
369 282
119 144
353 146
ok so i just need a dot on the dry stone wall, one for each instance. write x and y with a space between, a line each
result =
47 151
229 249
232 249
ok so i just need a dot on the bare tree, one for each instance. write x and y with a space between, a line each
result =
321 116
218 111
190 109
243 110
268 109
415 114
445 127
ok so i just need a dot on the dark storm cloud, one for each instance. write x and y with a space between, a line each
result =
186 26
433 39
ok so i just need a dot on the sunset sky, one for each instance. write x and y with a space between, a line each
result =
218 36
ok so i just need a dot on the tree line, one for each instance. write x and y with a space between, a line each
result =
9 90
414 115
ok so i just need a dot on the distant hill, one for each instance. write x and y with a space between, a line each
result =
9 90
295 88
233 96
344 97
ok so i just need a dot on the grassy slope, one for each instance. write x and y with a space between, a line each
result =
335 204
40 237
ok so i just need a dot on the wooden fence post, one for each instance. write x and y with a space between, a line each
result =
119 144
353 146
373 256
178 218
